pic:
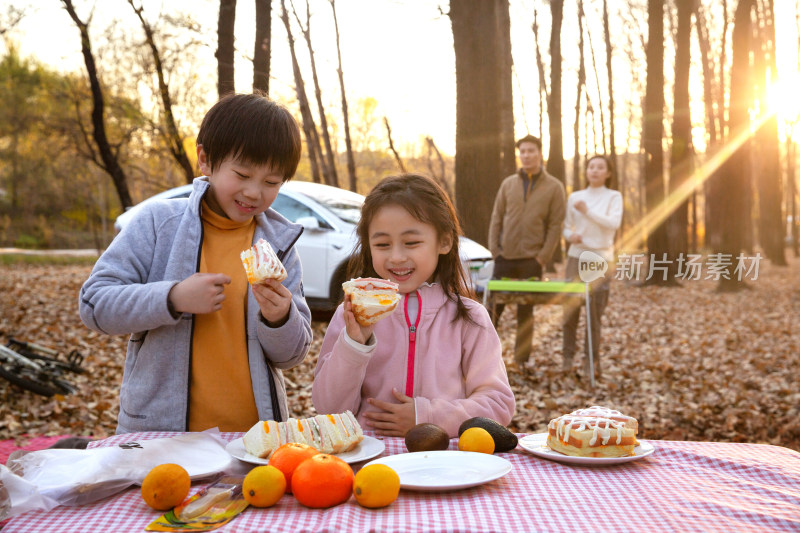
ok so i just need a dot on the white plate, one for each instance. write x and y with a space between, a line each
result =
367 449
445 470
537 445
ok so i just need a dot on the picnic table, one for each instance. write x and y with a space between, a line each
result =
535 292
680 486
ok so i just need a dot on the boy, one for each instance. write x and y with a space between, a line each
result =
206 347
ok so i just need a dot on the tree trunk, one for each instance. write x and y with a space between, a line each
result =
652 137
173 136
731 200
711 223
555 158
722 125
599 95
309 126
792 192
328 161
351 162
543 92
225 47
262 47
771 230
613 183
682 150
108 159
507 141
480 74
707 63
576 159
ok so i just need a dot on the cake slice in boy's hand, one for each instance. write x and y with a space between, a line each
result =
262 264
371 298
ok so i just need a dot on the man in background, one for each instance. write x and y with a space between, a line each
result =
525 228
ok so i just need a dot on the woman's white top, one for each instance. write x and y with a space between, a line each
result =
597 227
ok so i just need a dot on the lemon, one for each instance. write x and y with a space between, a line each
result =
263 486
476 440
376 486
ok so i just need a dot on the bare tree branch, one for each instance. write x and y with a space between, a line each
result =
309 126
173 136
391 146
441 176
329 167
110 164
351 162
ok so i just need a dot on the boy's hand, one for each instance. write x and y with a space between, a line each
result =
356 331
200 293
393 419
575 238
274 300
581 206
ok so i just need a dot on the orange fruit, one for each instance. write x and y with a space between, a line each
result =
476 439
288 456
376 486
322 481
166 486
263 486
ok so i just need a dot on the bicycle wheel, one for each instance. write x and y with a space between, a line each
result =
30 380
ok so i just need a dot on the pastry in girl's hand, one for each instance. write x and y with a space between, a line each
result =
371 298
262 264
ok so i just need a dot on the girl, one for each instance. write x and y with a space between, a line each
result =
593 216
436 358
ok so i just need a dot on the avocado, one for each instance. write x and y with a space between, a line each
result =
504 440
427 437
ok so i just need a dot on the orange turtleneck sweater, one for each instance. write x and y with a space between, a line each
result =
220 390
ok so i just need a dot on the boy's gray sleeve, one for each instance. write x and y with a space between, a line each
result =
117 299
286 346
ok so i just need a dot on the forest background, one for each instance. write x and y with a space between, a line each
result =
693 100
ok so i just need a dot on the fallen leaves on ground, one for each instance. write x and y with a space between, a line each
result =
690 363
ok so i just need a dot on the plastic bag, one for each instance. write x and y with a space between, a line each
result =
46 478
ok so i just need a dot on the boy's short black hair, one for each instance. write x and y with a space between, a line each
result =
253 129
530 139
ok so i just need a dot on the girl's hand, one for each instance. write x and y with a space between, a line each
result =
274 300
200 293
580 205
575 238
356 331
393 419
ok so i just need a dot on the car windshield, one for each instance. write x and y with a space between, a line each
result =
344 204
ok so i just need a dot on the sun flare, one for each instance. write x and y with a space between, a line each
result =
785 102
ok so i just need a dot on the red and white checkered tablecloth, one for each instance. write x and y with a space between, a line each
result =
682 486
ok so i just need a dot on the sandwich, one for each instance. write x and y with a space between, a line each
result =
334 433
372 298
261 263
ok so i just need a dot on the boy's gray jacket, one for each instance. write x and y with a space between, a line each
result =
127 292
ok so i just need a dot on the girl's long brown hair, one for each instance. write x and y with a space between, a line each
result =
427 202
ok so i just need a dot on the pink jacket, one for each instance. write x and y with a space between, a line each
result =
454 370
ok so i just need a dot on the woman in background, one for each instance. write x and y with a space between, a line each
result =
593 216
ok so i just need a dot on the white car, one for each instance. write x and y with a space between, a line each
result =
329 216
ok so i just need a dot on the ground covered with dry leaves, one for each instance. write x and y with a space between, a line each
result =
689 363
